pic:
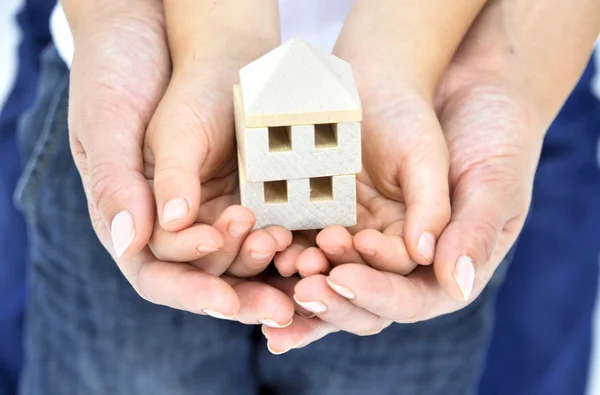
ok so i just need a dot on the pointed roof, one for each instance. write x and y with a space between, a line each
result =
297 84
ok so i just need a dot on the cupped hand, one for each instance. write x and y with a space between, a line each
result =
120 71
494 134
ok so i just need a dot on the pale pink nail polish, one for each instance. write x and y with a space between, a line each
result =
426 245
122 232
175 209
342 291
464 275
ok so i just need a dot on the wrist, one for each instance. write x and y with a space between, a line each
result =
201 31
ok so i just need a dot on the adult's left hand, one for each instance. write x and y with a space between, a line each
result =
494 109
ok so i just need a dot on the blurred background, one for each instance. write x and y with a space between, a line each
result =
547 315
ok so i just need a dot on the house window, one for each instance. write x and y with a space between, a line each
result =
321 189
280 139
275 192
326 135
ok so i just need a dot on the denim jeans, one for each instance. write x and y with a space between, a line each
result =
89 333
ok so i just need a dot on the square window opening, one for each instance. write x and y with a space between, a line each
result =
275 192
326 135
321 189
280 139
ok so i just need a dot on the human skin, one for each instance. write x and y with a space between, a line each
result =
405 26
503 88
121 69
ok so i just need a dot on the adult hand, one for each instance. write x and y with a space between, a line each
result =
120 71
494 106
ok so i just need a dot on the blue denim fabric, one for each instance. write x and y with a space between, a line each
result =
89 333
544 313
35 36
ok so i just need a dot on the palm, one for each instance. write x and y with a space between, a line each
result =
375 210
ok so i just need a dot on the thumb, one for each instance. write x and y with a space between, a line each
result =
116 186
485 223
189 140
410 135
110 106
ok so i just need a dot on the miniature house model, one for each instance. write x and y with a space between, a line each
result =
297 116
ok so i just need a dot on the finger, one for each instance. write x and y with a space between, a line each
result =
287 286
186 245
418 173
285 261
383 251
315 295
337 245
301 332
258 250
235 225
118 191
109 111
466 253
180 286
261 303
178 144
312 261
404 299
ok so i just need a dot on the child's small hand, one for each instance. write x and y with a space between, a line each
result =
228 245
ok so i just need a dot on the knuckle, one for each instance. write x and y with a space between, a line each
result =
103 189
484 234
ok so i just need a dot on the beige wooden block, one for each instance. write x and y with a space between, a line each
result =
290 152
301 203
298 84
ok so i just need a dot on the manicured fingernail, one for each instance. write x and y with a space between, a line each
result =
302 314
334 251
238 229
343 291
122 231
276 352
218 315
272 324
426 245
315 307
260 256
202 249
464 275
176 208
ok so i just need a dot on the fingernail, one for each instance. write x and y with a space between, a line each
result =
238 229
206 249
333 251
276 352
302 314
272 324
315 307
343 291
426 245
260 256
464 275
122 231
218 315
176 208
262 329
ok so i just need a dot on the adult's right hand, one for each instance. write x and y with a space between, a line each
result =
120 71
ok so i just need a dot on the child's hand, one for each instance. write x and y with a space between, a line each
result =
226 246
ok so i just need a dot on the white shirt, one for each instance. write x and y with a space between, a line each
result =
316 21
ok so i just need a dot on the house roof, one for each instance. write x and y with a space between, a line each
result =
297 84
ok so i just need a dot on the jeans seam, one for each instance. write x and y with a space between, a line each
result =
39 160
